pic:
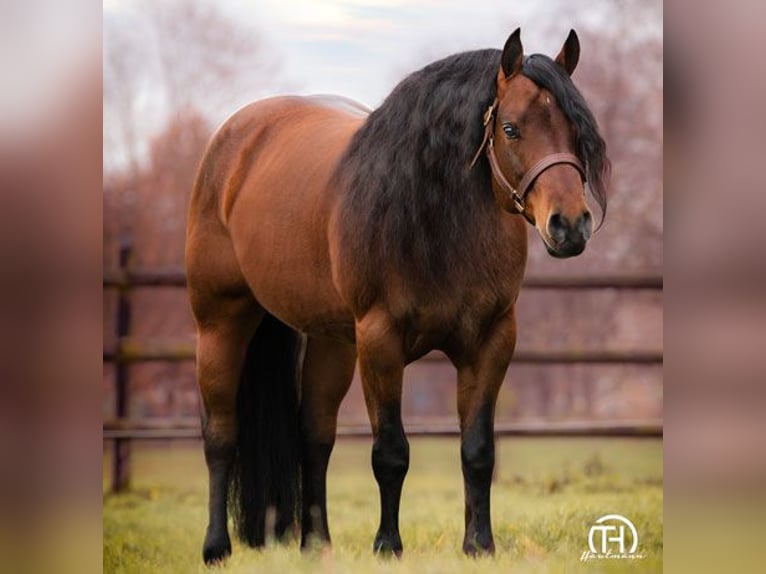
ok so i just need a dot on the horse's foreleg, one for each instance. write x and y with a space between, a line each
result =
381 367
221 349
328 368
479 380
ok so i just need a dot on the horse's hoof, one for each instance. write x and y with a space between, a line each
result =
474 548
387 546
216 550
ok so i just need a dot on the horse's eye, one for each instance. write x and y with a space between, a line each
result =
511 131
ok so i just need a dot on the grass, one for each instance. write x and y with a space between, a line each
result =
547 494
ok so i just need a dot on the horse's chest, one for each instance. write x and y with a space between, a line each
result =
452 323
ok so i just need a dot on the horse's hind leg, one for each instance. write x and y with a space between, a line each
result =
328 368
225 326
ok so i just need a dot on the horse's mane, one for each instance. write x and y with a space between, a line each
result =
408 190
409 197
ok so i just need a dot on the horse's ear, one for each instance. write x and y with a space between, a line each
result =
570 53
512 54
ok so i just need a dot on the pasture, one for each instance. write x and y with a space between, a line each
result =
546 495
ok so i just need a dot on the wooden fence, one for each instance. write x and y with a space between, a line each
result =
123 428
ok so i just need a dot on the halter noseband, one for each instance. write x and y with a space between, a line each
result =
518 196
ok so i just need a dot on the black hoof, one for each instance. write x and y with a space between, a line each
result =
216 550
387 545
475 548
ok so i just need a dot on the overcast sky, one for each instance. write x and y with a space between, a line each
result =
355 48
361 48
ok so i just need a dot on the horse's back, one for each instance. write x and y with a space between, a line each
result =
340 103
266 134
265 189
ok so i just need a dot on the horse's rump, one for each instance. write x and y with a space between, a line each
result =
267 179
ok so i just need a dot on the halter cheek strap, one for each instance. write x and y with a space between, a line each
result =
518 196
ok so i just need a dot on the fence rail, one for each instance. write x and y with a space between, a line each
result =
130 351
189 428
122 429
173 276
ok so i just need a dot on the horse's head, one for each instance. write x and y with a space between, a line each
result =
544 144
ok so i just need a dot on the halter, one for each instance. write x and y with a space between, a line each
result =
518 196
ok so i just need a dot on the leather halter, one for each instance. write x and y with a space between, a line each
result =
518 196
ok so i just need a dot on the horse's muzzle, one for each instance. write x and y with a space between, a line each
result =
567 237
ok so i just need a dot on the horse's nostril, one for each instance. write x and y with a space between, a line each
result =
557 227
585 224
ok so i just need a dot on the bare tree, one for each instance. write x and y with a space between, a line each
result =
124 77
172 57
170 71
204 58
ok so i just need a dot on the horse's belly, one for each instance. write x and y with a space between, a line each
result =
289 275
301 302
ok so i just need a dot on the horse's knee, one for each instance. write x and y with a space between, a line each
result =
390 457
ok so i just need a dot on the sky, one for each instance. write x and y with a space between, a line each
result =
361 48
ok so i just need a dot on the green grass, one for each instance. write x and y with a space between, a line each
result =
547 494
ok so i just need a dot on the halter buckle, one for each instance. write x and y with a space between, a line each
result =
518 202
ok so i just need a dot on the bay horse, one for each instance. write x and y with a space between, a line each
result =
320 235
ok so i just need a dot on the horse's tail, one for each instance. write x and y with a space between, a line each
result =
265 478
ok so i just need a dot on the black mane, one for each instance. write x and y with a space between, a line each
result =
408 188
410 199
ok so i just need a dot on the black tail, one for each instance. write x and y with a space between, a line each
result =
265 477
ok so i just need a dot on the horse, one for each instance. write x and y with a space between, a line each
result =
321 235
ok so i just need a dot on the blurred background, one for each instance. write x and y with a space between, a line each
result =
174 70
590 350
54 391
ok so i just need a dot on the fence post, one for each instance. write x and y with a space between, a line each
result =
121 458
